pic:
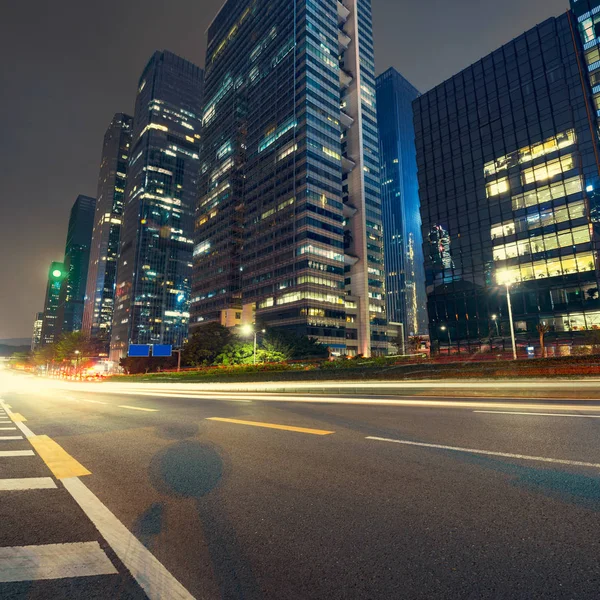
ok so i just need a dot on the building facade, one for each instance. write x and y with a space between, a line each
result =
507 153
104 253
288 225
406 301
77 257
154 270
50 323
36 338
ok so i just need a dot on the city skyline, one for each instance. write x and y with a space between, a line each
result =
41 200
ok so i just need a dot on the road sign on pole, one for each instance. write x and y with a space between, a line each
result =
162 350
139 350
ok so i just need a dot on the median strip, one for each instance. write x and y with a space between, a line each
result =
62 464
534 414
272 426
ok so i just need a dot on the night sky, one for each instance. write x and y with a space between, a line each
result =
68 66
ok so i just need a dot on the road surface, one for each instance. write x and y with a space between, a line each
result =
235 496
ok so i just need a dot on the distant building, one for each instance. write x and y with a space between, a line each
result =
56 276
155 265
77 256
403 241
508 152
36 339
104 253
289 217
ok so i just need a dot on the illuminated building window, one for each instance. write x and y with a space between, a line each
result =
500 186
554 267
541 243
548 170
554 191
529 153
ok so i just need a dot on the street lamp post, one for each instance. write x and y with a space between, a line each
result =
495 319
250 330
76 363
444 328
504 278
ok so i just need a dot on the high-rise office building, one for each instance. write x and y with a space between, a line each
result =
36 338
507 152
50 325
77 257
289 216
104 253
154 270
403 241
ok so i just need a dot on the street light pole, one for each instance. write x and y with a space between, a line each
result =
510 317
495 319
254 354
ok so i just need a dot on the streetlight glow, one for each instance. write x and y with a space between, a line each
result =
247 329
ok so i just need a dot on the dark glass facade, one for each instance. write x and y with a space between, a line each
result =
154 272
289 216
406 301
104 253
507 159
50 323
77 257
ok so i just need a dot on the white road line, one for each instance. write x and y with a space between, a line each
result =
17 453
499 412
6 438
151 575
8 428
138 408
53 561
30 483
94 401
25 430
558 461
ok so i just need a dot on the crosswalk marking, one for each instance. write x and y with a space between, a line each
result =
53 561
29 483
6 438
17 453
8 428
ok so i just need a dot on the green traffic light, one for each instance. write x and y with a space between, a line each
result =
56 273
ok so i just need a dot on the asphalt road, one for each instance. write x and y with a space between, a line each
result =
340 500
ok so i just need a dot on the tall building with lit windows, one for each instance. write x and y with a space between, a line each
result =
507 152
403 242
50 323
288 224
152 294
77 257
104 252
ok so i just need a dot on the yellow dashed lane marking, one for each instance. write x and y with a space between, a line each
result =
18 418
61 464
273 426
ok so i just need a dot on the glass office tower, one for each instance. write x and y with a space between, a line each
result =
50 324
36 338
104 253
507 156
403 242
77 257
288 225
155 264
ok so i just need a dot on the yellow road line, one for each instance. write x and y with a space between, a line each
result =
273 426
61 463
18 418
138 408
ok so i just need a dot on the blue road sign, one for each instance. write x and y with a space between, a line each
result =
162 350
139 350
